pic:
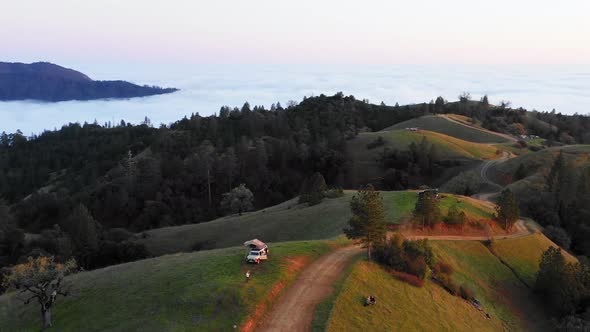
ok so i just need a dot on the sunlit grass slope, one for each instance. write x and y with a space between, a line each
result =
400 306
441 125
201 291
523 254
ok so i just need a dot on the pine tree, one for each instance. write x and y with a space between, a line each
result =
520 172
427 212
507 211
367 224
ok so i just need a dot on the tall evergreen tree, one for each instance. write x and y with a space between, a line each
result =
367 224
507 211
427 212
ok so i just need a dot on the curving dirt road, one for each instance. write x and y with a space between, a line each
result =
294 310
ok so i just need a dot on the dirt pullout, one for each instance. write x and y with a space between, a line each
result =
294 310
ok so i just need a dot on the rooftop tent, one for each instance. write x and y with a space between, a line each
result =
255 244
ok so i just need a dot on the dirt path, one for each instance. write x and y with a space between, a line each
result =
294 310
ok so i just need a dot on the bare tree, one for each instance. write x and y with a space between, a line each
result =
41 279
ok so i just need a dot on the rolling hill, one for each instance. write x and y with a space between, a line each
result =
290 221
49 82
509 302
537 165
201 291
460 131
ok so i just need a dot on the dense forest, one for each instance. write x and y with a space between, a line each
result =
118 179
49 82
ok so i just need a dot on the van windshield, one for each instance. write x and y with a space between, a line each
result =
254 253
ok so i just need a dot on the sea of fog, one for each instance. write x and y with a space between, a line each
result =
205 88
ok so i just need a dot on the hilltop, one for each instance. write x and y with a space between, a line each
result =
461 129
49 82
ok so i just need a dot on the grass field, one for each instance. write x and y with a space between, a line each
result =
401 307
202 291
404 307
524 254
441 125
291 221
448 147
539 163
287 221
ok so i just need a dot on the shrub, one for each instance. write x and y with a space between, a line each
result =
443 268
409 278
466 293
334 193
558 235
376 143
466 183
417 267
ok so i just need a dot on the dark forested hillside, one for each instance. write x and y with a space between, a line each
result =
49 82
117 179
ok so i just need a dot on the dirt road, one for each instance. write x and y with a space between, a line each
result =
294 310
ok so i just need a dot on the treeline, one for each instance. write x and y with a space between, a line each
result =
557 128
565 288
140 177
564 205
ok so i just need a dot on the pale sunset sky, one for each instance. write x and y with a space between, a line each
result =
298 32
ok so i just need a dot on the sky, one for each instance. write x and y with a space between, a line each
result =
296 32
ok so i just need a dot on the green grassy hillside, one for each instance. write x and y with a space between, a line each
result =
401 306
366 167
290 221
202 291
441 125
537 165
524 254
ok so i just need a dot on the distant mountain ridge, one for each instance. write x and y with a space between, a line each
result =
49 82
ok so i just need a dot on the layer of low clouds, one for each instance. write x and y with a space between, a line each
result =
205 88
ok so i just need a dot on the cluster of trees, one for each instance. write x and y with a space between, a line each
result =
557 128
404 169
413 257
466 184
77 236
564 204
566 288
140 177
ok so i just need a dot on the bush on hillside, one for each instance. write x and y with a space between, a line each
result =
455 217
376 143
413 257
466 183
558 235
334 193
312 189
406 277
443 268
